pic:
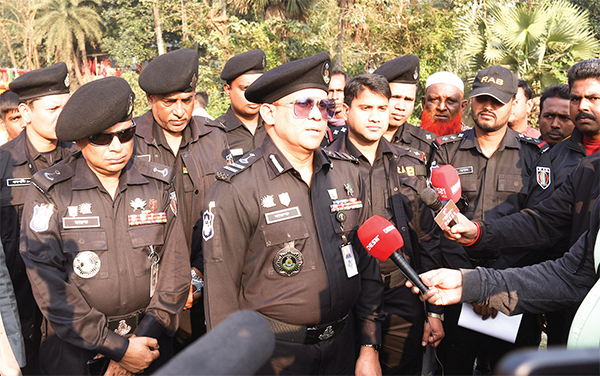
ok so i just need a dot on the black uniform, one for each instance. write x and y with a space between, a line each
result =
87 257
565 156
19 160
239 138
203 150
394 181
516 176
262 222
416 138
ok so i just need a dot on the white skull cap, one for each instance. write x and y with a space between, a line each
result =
445 78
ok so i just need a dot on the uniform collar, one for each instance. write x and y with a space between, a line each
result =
231 122
85 178
19 149
403 134
383 148
277 163
575 141
146 126
510 140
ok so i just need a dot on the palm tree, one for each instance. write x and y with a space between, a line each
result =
539 43
285 9
65 23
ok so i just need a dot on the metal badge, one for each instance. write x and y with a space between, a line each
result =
349 190
288 261
138 203
123 329
328 333
333 193
72 210
152 205
85 208
86 264
285 199
267 201
154 261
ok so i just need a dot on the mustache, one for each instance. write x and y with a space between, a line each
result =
486 112
584 115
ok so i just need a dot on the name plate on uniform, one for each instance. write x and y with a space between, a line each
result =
81 222
18 182
464 170
282 215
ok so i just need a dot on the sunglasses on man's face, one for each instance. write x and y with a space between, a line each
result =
303 106
105 138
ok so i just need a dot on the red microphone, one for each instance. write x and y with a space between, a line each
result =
382 240
446 182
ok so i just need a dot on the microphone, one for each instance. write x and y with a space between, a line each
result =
444 215
240 345
446 182
382 240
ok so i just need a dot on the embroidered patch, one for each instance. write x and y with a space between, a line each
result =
173 202
543 176
208 222
41 217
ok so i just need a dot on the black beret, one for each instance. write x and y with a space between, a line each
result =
253 61
175 71
308 73
41 82
95 107
404 69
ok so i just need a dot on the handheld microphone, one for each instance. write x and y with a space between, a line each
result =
444 215
446 182
382 240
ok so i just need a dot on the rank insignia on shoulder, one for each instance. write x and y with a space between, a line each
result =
147 218
41 217
543 176
208 221
233 168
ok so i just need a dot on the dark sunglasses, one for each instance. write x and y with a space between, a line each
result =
302 107
105 138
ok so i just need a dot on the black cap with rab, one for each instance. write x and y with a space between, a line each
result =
497 82
41 82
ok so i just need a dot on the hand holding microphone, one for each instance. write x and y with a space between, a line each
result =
382 240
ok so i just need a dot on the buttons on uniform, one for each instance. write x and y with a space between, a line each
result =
395 189
340 217
403 228
185 155
196 191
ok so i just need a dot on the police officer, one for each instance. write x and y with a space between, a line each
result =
280 238
103 247
395 175
501 172
194 147
403 75
42 94
244 126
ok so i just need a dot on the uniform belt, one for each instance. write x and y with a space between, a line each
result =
393 279
308 335
125 325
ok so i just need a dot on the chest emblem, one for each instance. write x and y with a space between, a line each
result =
285 199
288 261
86 264
267 201
138 203
85 208
41 217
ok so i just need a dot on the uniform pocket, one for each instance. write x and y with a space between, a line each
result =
511 183
94 240
142 237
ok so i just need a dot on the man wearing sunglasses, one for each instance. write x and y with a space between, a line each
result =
42 95
102 243
395 175
194 147
279 234
244 126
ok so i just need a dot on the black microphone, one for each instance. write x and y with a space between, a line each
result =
432 200
382 240
240 345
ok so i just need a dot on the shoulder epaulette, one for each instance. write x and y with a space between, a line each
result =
414 153
542 145
340 155
423 134
154 170
450 138
214 123
227 172
53 175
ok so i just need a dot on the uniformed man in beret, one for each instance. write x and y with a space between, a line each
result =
42 95
403 75
102 243
244 126
279 234
194 147
501 172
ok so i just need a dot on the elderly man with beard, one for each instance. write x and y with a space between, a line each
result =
501 172
443 104
555 121
584 81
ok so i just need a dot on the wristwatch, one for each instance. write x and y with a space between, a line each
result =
436 315
374 347
197 282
